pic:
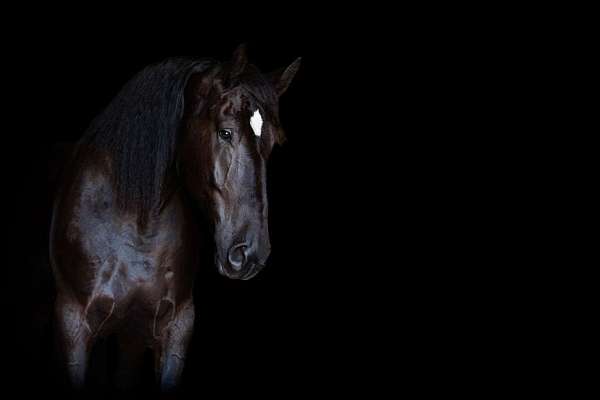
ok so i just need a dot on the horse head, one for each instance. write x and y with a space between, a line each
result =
231 126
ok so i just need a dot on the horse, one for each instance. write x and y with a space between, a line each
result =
186 140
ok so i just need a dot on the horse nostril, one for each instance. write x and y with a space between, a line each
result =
237 256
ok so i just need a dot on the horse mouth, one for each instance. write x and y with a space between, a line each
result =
245 275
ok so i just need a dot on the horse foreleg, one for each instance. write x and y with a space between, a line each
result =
171 352
74 340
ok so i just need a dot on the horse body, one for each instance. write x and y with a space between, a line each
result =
183 138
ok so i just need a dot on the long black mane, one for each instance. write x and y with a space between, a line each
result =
139 131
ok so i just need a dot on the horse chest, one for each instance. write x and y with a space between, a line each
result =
120 267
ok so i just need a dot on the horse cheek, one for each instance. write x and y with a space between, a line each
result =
222 167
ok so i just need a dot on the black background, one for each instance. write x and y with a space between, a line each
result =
304 322
394 212
378 201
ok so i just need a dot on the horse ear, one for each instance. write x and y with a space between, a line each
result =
283 78
239 61
197 90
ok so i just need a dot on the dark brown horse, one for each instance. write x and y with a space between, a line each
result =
183 135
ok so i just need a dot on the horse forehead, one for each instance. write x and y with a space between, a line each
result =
231 104
239 100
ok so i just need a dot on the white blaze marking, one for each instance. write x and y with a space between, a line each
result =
257 123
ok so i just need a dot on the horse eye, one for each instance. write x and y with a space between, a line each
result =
225 134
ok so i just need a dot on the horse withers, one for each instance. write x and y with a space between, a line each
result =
182 135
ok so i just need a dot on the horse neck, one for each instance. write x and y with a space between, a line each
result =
95 165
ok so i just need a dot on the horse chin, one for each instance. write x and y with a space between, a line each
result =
253 272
